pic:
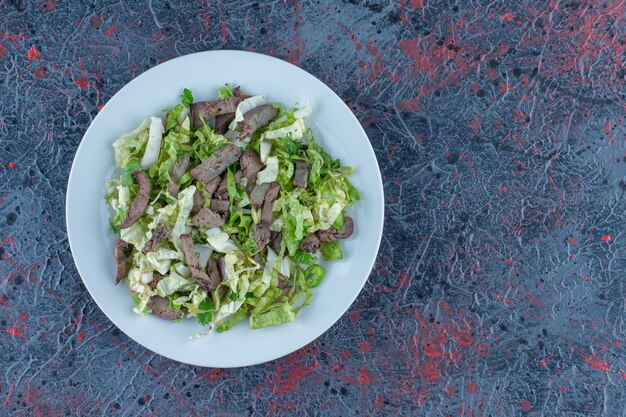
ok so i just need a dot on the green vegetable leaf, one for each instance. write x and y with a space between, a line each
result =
303 258
186 98
331 251
172 117
234 319
209 308
224 91
314 275
282 314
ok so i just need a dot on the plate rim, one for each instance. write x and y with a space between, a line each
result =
381 206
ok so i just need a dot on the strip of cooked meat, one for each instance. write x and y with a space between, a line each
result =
268 203
258 194
159 234
262 234
256 118
206 218
180 167
217 163
301 175
251 164
222 121
275 241
221 206
197 273
120 260
331 234
139 204
310 243
160 307
210 109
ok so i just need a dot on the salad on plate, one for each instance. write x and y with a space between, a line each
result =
225 209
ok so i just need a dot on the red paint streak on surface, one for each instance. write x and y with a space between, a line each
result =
224 31
39 73
475 126
507 301
597 364
449 391
410 104
472 387
96 20
81 336
404 281
31 395
622 373
15 332
82 82
573 240
607 126
4 302
110 31
526 406
3 51
379 402
23 317
12 164
508 17
354 316
365 377
544 362
365 347
417 4
32 53
214 374
430 371
606 238
6 401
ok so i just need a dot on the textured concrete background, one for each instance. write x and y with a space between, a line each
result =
500 131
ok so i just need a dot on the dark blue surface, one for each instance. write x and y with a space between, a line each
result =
499 129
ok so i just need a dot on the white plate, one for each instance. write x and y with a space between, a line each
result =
91 241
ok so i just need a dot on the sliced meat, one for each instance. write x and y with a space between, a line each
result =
222 189
159 234
207 110
120 260
197 274
180 167
173 189
268 203
251 164
275 240
160 307
198 201
347 229
156 277
262 234
222 121
256 118
212 185
221 263
214 271
258 194
139 204
221 206
301 175
206 218
238 93
310 243
331 234
217 163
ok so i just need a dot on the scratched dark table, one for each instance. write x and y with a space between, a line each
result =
499 129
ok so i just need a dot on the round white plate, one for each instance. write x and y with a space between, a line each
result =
92 242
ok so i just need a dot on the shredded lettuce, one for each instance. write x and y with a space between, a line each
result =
270 173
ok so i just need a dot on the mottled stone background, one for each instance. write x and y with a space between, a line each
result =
499 127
